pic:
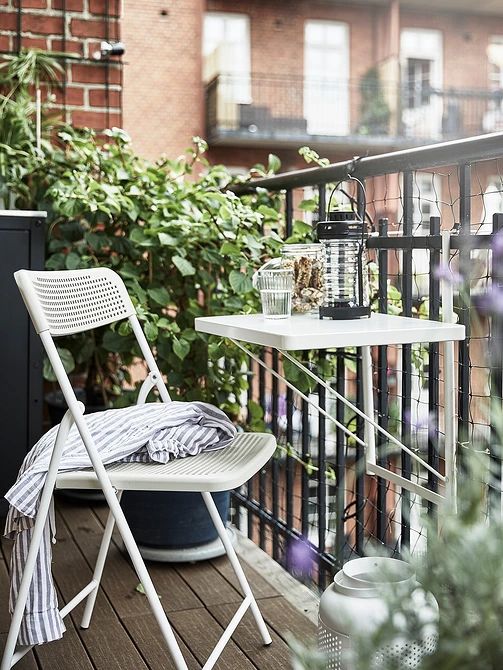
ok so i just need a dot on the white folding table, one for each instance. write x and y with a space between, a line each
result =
307 332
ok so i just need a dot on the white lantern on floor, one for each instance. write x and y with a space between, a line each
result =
354 606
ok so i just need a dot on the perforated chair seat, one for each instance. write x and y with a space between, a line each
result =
212 471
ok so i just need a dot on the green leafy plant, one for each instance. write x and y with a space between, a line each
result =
184 246
19 73
374 110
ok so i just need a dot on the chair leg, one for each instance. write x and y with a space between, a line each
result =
99 566
36 539
219 525
29 568
144 576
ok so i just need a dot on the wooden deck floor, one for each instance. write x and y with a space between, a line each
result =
199 599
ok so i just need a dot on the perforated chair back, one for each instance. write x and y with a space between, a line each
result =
72 301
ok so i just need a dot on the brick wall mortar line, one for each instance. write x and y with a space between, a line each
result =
80 108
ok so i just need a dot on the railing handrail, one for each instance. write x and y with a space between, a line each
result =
482 91
463 151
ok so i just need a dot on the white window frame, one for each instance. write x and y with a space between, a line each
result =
326 93
423 44
221 58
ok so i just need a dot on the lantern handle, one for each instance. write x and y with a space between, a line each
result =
360 183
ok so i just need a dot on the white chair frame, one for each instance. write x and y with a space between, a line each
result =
51 321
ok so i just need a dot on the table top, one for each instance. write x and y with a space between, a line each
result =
309 332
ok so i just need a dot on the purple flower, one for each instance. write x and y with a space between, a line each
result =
422 423
300 558
444 272
492 301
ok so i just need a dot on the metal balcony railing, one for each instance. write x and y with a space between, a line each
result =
256 108
316 492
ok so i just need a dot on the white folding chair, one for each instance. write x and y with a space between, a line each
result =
62 303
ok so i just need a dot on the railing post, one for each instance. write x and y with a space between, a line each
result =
360 473
289 394
274 461
433 363
382 388
322 492
496 381
464 306
340 464
408 209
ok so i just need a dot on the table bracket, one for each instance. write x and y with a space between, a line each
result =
371 426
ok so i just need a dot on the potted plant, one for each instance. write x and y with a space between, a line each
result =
374 110
184 249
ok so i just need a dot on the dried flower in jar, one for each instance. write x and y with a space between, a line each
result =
308 281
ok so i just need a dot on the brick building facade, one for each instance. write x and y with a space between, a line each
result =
163 92
91 93
446 54
440 71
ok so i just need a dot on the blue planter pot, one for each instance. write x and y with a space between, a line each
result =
172 520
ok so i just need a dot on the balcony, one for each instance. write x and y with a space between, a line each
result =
288 111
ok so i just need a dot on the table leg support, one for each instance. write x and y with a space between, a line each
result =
368 406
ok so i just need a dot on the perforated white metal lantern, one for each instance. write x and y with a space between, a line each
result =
353 605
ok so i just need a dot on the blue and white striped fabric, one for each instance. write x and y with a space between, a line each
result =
152 432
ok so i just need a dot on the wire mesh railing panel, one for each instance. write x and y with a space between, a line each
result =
314 507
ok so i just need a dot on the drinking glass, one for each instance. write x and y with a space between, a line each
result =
276 289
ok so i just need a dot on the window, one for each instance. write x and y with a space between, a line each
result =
421 63
493 118
326 77
226 53
495 62
418 83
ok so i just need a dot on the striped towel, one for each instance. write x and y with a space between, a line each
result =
154 432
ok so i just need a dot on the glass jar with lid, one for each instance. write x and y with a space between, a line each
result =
307 263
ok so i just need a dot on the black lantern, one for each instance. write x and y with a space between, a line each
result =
343 236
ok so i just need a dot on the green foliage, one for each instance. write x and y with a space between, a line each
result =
184 247
30 68
19 155
462 570
312 156
374 110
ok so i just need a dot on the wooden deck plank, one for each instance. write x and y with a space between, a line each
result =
214 582
145 633
28 662
119 578
246 636
208 583
201 632
261 588
108 644
68 653
200 600
286 620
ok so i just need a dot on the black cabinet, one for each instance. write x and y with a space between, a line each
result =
21 387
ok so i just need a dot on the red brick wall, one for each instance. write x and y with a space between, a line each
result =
163 92
91 95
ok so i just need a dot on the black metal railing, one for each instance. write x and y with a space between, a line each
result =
288 108
315 491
